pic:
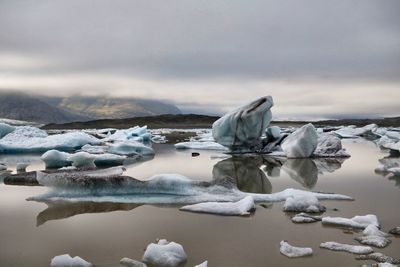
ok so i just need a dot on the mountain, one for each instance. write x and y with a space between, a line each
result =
45 109
104 107
20 106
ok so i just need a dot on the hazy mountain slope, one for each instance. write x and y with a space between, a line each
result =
113 108
19 106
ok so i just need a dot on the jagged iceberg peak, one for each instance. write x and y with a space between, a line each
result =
243 127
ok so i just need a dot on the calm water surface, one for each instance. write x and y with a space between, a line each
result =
31 233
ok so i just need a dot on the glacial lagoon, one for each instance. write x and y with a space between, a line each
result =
34 231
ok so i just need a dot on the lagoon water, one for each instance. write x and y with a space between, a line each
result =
32 233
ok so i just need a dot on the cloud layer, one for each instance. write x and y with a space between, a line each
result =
317 58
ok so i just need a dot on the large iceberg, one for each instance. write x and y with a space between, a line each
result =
26 139
243 127
301 143
165 254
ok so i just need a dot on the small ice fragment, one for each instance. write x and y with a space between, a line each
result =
204 264
305 203
201 146
130 148
21 166
395 231
373 240
378 257
305 218
241 207
82 159
131 263
67 261
346 248
355 222
55 159
165 253
294 252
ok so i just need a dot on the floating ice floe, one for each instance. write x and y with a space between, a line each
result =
26 139
301 143
387 163
352 132
67 261
101 186
109 160
82 159
346 248
127 262
241 207
360 222
5 129
201 146
204 264
94 149
243 127
130 148
165 254
379 257
303 203
329 145
294 252
305 218
139 134
372 236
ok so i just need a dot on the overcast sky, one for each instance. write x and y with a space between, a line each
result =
318 59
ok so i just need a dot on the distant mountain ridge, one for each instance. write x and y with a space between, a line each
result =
44 109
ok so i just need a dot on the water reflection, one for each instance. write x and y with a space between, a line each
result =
245 172
58 210
387 163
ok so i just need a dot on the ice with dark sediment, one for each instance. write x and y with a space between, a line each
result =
131 263
329 145
137 133
305 218
372 236
379 257
346 248
242 128
110 186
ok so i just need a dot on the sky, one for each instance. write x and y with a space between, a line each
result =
317 59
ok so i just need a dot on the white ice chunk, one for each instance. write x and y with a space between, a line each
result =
67 261
346 248
55 159
93 149
356 222
329 146
294 252
374 237
130 148
21 166
243 127
273 132
165 253
82 159
5 129
200 146
241 207
204 264
301 143
305 203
